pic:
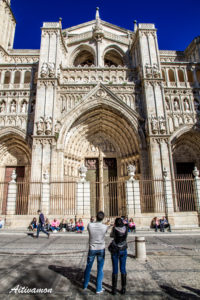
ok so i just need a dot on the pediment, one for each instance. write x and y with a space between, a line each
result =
102 95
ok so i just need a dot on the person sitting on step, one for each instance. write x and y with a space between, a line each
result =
55 225
79 226
33 224
164 224
131 225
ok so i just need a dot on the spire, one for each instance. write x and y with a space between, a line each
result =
97 13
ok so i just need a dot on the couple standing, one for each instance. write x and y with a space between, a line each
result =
118 249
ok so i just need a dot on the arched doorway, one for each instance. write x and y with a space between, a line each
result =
105 141
185 154
14 155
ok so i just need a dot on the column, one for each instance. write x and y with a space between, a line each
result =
169 207
83 195
132 193
12 195
197 189
45 201
101 191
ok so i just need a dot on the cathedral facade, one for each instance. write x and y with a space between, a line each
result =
101 96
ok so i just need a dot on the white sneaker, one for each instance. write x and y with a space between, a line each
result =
100 292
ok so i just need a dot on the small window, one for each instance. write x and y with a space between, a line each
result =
163 75
84 58
113 58
171 76
190 76
27 77
7 78
17 77
180 76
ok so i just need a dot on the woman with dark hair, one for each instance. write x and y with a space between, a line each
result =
118 249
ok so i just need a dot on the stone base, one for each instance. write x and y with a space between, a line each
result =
143 221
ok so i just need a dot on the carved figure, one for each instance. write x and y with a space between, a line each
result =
13 107
24 107
48 123
40 126
176 105
51 69
44 70
2 106
154 125
162 125
131 171
148 70
186 105
57 127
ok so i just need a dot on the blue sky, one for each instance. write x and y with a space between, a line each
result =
178 22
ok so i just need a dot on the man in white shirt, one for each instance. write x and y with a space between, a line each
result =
97 232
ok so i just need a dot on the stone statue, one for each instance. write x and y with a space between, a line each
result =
83 171
154 125
51 69
2 106
148 70
186 105
162 125
40 126
131 171
13 107
44 70
24 107
176 105
48 123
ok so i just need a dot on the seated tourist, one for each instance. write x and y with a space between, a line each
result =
63 225
131 225
33 225
55 225
71 225
164 224
125 220
155 224
79 226
1 223
47 224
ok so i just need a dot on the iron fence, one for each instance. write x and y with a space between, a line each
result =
152 196
183 193
63 198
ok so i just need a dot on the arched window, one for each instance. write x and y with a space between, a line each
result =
113 58
27 77
190 76
7 78
84 58
17 77
198 75
171 75
180 76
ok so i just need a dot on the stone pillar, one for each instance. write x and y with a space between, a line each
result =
45 201
197 189
132 193
12 195
169 207
83 195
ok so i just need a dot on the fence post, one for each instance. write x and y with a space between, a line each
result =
45 199
197 190
133 206
168 193
12 195
83 194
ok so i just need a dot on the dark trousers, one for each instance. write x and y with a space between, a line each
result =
119 257
163 226
41 228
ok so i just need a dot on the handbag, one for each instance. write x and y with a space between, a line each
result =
113 247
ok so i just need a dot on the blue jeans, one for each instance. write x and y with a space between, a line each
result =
121 257
100 254
41 228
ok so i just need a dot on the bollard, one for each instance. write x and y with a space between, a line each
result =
140 248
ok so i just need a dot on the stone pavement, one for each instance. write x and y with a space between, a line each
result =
172 270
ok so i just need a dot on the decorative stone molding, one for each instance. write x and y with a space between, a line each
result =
158 125
152 71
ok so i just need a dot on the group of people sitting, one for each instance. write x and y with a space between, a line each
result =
56 226
161 224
